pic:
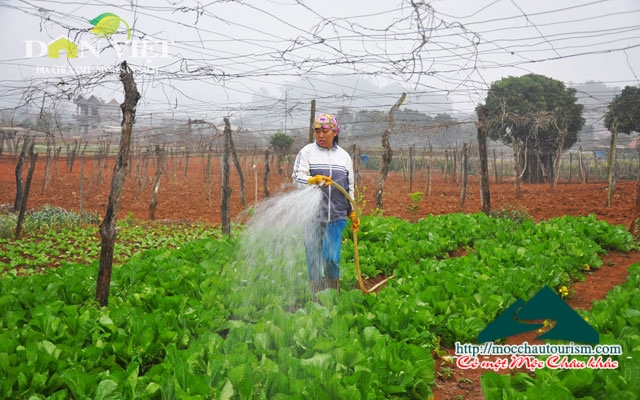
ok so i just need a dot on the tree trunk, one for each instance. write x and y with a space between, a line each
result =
495 166
18 201
611 166
33 157
387 155
446 165
108 229
583 174
485 195
516 166
265 177
556 166
226 187
570 167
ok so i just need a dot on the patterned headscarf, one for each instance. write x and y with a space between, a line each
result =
326 121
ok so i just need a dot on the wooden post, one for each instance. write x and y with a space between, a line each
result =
108 229
81 190
446 165
464 173
153 204
429 169
226 187
355 160
265 177
208 176
411 168
611 167
454 165
255 194
236 162
312 119
47 166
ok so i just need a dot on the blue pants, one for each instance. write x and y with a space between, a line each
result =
322 244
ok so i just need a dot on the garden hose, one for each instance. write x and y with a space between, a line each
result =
355 246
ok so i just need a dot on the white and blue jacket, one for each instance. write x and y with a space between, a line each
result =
336 163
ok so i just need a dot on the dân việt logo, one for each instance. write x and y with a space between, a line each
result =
106 24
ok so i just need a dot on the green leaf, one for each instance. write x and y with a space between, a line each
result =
318 360
227 391
107 390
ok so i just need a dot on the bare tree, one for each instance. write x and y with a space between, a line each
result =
108 229
485 195
33 157
387 154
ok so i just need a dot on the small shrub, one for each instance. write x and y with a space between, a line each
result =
514 213
414 207
8 221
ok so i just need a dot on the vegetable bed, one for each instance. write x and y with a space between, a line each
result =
197 322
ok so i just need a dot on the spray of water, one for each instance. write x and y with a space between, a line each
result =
271 256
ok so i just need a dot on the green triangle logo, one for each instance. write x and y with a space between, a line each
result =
545 304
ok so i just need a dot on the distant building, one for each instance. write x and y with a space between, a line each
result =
10 132
94 113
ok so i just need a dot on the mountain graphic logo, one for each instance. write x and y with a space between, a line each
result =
545 304
106 24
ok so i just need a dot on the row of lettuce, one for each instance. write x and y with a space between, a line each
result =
200 321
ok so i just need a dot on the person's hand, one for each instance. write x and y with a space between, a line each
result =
320 180
355 221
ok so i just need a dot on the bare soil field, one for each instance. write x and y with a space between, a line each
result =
193 197
190 197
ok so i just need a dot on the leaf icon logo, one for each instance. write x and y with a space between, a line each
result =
107 24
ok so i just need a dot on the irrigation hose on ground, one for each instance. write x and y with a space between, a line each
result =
355 246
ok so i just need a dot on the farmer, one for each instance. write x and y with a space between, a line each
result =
320 163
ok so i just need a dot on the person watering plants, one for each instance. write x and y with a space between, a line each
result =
320 163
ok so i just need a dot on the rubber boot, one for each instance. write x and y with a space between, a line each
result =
333 284
317 286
